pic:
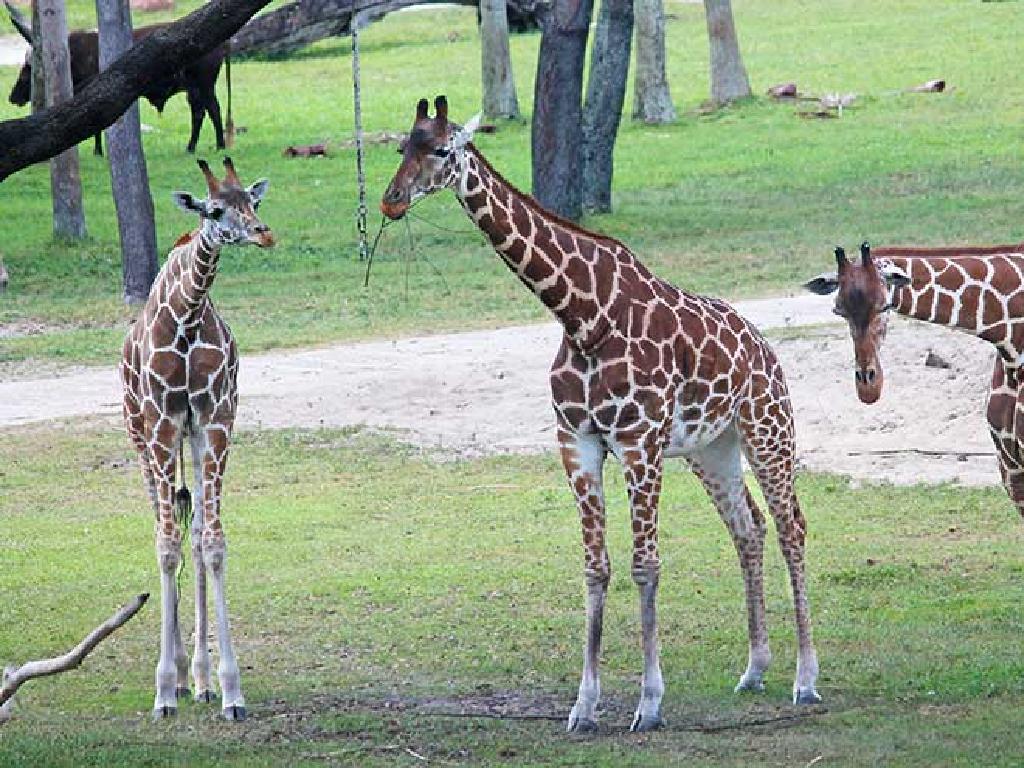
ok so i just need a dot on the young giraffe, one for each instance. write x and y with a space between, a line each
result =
179 370
977 290
645 371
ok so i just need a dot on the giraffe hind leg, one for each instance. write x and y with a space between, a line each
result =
719 468
773 467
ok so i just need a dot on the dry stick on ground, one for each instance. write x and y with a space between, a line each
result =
14 678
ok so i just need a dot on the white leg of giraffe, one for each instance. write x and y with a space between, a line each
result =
168 553
214 547
583 458
642 467
720 469
773 467
201 654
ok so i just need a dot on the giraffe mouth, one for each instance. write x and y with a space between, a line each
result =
394 211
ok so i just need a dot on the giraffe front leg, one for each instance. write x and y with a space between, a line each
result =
204 691
214 553
642 465
583 459
168 553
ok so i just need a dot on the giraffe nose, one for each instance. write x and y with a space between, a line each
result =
867 376
394 195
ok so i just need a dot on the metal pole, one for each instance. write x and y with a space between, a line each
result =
358 115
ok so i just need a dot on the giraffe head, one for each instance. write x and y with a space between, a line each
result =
431 158
865 292
228 214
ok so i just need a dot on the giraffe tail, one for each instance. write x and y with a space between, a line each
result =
183 496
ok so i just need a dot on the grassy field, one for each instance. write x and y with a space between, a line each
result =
743 201
371 589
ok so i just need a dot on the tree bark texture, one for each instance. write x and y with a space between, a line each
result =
65 180
29 140
303 22
128 177
728 75
652 102
606 91
498 81
557 130
38 73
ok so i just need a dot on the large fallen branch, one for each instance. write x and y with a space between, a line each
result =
40 136
15 677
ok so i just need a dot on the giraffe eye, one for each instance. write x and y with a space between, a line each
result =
441 152
215 213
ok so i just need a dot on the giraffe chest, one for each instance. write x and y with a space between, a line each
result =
192 363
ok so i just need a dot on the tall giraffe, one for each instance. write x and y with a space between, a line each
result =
977 290
179 369
645 371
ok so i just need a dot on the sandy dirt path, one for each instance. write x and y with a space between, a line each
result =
483 392
12 50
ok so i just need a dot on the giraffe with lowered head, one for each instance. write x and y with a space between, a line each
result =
179 370
979 290
645 371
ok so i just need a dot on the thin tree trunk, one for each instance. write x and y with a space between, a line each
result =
652 102
557 131
128 176
606 91
499 85
38 72
65 181
728 76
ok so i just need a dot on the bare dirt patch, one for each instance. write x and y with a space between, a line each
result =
485 392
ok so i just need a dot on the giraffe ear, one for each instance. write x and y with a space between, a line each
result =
894 276
823 284
188 203
465 133
257 191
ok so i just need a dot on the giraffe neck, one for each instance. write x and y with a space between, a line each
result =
186 278
982 295
574 273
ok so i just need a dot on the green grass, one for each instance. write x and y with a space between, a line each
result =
743 201
368 584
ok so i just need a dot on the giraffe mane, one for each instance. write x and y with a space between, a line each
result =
531 202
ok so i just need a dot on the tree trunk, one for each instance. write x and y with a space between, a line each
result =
557 132
652 102
65 182
499 85
128 177
28 140
38 73
606 91
728 76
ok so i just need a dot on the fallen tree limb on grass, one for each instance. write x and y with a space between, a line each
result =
15 677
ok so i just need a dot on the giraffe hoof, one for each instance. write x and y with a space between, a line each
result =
643 724
805 696
206 697
755 685
234 713
160 713
581 725
182 692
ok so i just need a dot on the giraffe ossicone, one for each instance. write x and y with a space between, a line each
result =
179 370
645 371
